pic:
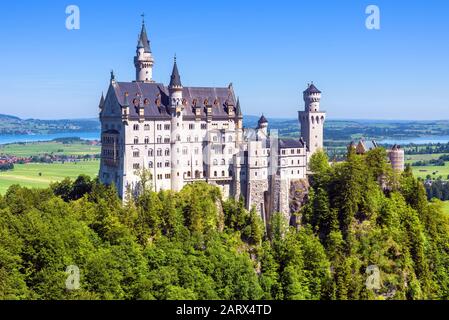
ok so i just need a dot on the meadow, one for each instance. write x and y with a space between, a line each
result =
51 147
40 175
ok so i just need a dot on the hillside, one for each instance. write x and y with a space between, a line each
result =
15 125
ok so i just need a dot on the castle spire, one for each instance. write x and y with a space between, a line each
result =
143 41
143 61
175 79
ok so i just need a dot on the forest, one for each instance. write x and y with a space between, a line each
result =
196 245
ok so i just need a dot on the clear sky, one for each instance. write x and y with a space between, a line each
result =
269 50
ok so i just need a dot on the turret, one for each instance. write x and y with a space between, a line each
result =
312 120
262 128
143 61
176 109
312 98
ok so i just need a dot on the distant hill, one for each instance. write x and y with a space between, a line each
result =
336 132
15 125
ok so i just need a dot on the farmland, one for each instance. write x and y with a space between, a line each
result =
40 175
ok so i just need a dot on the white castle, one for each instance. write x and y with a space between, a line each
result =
180 135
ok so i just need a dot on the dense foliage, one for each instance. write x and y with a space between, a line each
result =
195 245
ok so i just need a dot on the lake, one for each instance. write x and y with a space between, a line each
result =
94 135
14 138
417 140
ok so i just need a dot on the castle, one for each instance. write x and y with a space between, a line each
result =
180 135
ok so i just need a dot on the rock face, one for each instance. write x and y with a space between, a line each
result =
256 193
299 191
288 197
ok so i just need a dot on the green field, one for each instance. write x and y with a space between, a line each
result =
422 157
424 171
40 148
39 175
434 171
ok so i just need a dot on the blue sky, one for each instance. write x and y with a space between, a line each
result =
269 50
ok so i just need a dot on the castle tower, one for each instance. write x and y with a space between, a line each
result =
176 109
397 158
312 120
262 128
143 61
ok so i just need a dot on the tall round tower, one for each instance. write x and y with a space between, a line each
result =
262 128
397 158
176 108
312 120
143 61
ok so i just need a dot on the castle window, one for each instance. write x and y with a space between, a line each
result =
197 151
136 127
167 164
159 164
159 127
215 162
203 126
167 176
189 139
159 176
255 173
215 173
178 138
215 138
223 174
167 152
191 126
159 139
188 174
136 140
150 164
185 151
159 152
167 127
196 139
136 154
167 140
223 162
136 166
150 152
146 127
147 140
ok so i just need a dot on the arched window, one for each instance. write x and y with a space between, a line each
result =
167 152
136 140
223 162
136 127
215 162
159 139
159 152
150 164
147 140
150 152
